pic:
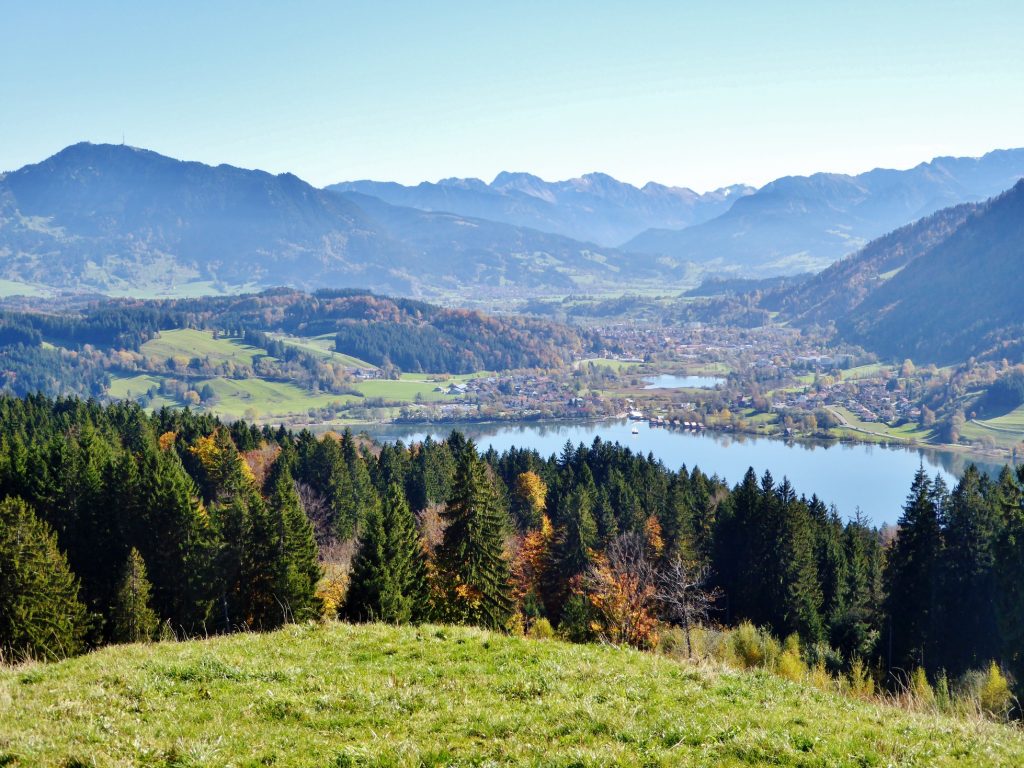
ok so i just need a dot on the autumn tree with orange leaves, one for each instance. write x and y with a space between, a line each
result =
621 588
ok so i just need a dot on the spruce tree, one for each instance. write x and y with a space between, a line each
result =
855 631
354 494
677 520
40 613
604 516
800 600
912 578
389 577
578 535
970 636
472 567
831 559
132 619
1009 571
177 543
294 552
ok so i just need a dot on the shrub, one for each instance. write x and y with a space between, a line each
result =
820 677
791 666
754 647
995 697
541 630
943 698
861 684
671 641
746 643
920 690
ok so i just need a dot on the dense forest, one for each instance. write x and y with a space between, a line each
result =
117 525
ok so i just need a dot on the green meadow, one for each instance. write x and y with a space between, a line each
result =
373 695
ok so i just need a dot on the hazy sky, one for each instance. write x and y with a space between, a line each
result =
695 94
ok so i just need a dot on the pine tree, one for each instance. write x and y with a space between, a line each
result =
40 613
472 568
677 521
294 552
578 536
389 577
1009 570
794 549
177 543
912 578
970 635
132 619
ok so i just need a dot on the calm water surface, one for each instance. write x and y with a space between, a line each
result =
670 381
872 478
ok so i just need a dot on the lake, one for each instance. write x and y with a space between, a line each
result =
671 381
873 478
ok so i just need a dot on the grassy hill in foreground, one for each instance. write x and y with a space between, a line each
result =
340 695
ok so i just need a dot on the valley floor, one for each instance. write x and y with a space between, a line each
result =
342 695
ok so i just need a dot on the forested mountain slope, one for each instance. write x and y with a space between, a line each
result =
76 350
959 299
833 292
799 223
117 219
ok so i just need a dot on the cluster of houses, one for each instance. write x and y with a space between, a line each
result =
869 401
515 395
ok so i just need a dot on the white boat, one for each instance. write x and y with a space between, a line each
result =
635 431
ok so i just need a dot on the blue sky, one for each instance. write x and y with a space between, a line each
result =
688 93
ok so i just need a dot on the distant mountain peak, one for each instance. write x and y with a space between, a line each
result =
109 218
595 207
804 223
514 178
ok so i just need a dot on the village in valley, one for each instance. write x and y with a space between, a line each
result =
766 380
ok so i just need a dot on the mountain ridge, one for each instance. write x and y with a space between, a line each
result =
114 218
938 290
801 223
594 207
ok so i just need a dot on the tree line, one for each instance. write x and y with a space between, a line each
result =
118 525
72 350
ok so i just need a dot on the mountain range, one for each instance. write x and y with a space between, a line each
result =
804 223
119 220
940 290
594 207
116 219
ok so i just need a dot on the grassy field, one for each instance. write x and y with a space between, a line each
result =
188 343
323 346
269 399
1008 422
132 387
1004 431
872 371
405 390
909 431
338 695
15 288
607 362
